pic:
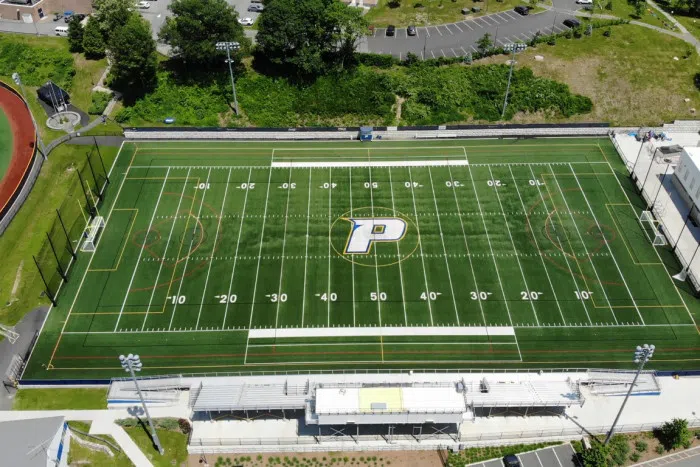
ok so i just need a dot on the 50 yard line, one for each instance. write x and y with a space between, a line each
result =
143 246
398 252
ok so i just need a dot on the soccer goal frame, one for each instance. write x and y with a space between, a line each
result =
91 234
646 218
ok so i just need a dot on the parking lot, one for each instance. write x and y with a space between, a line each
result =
556 456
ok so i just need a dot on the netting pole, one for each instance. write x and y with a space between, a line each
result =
58 261
46 284
651 164
68 241
685 224
660 186
92 171
102 163
87 199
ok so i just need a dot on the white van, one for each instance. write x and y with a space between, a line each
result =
61 30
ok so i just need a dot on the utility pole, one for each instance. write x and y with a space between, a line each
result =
132 363
513 48
228 46
642 354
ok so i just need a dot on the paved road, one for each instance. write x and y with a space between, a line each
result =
557 456
687 458
456 39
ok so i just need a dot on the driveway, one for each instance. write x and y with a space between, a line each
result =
456 39
557 456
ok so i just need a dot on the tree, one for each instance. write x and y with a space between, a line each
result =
75 35
484 44
93 40
133 53
595 456
309 37
112 14
675 433
195 28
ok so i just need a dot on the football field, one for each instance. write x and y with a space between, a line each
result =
227 257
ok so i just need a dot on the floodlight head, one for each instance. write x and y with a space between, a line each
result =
228 45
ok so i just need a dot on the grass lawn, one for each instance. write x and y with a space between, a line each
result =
432 12
58 399
5 144
691 23
26 233
82 455
631 77
174 443
622 9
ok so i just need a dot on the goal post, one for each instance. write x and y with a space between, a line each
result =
648 222
92 232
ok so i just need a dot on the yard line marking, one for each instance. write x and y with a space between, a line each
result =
187 259
398 252
376 266
444 249
216 237
515 250
143 246
466 244
165 251
634 302
330 202
284 244
561 246
353 263
493 256
420 244
306 251
585 249
537 245
238 242
257 270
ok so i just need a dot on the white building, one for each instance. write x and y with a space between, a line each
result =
687 178
36 442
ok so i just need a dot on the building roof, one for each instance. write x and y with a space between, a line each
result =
25 442
378 400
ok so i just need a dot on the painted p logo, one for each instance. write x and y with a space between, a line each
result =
368 230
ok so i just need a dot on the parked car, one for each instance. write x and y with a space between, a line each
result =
511 460
411 30
390 30
571 23
584 2
143 5
246 21
57 16
255 7
522 10
67 15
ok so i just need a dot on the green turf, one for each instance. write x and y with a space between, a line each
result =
56 399
204 241
5 144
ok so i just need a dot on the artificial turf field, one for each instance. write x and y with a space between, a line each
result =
226 257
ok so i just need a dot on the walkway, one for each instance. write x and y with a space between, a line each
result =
687 458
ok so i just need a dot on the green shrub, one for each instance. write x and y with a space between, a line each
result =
634 457
641 446
377 60
99 102
36 64
619 449
169 424
675 433
127 422
660 449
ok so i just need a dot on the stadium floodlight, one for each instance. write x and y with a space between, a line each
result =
132 363
642 354
228 47
513 48
18 81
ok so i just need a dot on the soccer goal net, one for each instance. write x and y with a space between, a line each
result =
649 224
91 234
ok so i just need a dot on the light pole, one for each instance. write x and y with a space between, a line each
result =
18 81
132 363
513 48
228 46
642 354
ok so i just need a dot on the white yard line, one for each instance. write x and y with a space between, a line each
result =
376 266
622 276
353 263
585 249
420 244
284 245
537 245
306 251
167 243
515 250
444 249
330 203
187 260
466 246
281 333
216 237
238 242
257 269
143 246
398 252
561 247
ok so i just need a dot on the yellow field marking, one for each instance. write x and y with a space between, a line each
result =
126 241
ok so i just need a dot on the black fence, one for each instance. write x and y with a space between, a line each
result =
81 204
